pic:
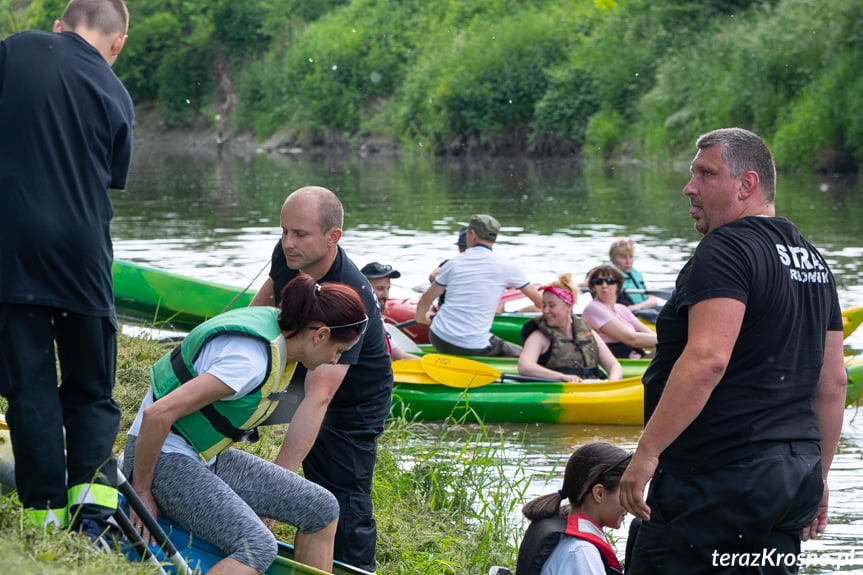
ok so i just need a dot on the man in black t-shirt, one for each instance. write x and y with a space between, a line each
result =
745 395
65 139
344 406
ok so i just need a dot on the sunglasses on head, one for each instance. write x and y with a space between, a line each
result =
359 326
617 464
606 281
603 473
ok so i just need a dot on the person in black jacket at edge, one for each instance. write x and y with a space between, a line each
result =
344 405
65 140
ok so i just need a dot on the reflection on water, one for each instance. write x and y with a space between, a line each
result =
219 221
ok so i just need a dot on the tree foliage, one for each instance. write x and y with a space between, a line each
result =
620 76
42 13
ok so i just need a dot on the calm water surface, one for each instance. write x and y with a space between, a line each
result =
218 220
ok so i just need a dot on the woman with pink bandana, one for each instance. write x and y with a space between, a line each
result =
560 345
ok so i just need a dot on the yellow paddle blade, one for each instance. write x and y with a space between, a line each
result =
459 372
410 371
851 319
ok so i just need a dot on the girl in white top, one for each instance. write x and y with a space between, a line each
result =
591 482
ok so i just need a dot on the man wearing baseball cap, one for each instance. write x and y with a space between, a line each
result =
474 282
462 246
462 239
379 276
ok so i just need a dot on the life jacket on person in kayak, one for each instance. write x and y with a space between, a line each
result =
542 537
213 428
578 356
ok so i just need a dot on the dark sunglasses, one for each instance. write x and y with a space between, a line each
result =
606 281
359 326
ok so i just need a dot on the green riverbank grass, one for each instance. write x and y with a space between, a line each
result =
446 498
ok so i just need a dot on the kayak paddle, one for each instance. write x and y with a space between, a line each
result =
460 372
126 490
138 544
664 293
411 371
455 371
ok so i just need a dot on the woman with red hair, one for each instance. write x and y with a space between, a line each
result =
225 379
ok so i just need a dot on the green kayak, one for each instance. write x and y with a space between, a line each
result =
163 298
854 367
607 402
421 397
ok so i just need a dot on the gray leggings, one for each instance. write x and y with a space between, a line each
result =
223 503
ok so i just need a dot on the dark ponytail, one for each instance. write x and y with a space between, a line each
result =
304 302
591 464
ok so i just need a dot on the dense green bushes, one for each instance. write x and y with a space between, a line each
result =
42 13
482 80
614 77
759 72
153 39
327 77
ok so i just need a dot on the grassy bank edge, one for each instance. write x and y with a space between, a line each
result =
442 507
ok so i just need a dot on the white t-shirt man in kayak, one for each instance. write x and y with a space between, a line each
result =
474 282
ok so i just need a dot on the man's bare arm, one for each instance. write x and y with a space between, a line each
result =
320 386
265 295
426 301
714 325
830 405
533 294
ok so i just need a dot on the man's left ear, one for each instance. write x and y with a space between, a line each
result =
748 184
333 236
118 43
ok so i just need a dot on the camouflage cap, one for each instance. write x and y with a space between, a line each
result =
485 226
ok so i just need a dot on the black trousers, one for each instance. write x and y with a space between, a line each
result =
40 410
343 461
497 347
745 517
622 350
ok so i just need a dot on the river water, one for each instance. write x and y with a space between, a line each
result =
192 213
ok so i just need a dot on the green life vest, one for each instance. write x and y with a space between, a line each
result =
578 356
212 429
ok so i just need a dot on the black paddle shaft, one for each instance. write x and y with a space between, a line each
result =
162 539
136 540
